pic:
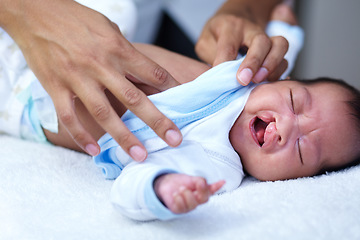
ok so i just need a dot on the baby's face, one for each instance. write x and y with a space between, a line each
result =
288 130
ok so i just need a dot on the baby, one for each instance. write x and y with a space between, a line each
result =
287 129
280 130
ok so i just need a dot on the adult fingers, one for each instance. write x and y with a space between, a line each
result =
258 50
279 47
101 110
221 39
140 69
228 44
205 47
276 74
64 105
137 102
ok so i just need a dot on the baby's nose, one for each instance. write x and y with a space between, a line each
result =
288 129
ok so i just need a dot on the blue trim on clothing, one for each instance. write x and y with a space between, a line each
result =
144 132
183 104
107 159
30 125
155 206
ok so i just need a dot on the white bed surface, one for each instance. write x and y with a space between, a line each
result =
49 192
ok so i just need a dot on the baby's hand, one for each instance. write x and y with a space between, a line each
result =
182 193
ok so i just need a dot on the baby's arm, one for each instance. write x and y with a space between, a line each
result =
145 191
182 193
182 68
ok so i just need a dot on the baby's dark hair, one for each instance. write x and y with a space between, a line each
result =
353 104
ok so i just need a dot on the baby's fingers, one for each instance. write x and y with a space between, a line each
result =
216 186
185 201
228 44
204 191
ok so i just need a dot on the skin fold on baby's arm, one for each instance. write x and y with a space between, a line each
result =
182 193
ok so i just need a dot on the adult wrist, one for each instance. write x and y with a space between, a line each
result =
257 12
9 9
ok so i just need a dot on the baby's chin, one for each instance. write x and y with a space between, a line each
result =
265 176
261 173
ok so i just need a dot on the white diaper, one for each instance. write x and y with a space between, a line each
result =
15 78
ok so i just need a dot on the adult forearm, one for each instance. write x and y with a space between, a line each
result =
258 11
20 18
8 11
77 52
16 14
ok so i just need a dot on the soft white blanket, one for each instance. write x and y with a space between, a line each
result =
49 192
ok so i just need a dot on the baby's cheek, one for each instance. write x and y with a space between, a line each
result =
235 137
266 167
253 167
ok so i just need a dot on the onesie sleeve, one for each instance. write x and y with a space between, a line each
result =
133 193
134 196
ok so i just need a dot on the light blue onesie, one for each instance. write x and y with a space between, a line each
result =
204 110
204 117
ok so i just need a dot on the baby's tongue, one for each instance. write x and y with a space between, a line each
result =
270 132
260 131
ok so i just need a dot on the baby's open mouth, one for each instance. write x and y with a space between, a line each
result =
259 128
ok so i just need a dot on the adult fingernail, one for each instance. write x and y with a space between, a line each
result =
245 76
173 137
137 153
92 149
261 75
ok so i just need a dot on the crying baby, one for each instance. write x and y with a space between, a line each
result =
291 129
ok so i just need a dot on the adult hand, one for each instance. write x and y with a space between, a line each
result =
225 34
76 52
